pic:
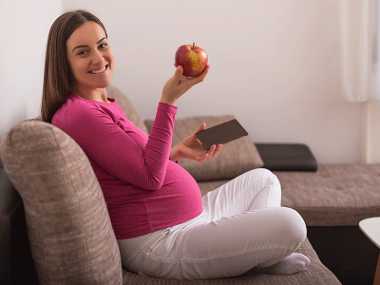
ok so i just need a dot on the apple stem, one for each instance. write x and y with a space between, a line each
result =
193 45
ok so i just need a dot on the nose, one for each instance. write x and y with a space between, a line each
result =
97 57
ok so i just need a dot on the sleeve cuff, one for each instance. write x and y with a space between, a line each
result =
167 107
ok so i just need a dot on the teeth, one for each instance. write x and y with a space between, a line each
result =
98 71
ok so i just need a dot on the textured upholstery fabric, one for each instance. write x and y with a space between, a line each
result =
236 157
127 107
335 195
70 233
316 274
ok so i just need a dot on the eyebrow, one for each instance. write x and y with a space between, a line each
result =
84 46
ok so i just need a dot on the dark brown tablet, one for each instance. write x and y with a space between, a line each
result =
221 134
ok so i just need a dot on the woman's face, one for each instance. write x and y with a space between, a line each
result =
90 57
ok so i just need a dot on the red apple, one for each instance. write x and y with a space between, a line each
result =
192 58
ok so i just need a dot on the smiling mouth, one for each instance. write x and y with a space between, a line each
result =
98 71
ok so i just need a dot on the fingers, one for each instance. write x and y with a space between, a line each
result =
204 73
191 81
203 157
202 76
201 128
178 72
208 154
213 151
217 150
178 84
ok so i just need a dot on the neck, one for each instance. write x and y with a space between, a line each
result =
96 94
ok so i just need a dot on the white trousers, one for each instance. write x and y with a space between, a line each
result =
242 226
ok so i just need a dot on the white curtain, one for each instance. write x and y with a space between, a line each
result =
360 49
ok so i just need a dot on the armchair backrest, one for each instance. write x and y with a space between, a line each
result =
69 230
68 227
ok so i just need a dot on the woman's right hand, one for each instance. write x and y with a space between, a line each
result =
192 148
179 84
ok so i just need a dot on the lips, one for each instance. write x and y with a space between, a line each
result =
94 71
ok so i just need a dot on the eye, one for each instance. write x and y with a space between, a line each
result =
103 45
82 52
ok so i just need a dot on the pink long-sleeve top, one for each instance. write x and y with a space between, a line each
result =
143 189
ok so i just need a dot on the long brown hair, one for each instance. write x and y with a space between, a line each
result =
58 78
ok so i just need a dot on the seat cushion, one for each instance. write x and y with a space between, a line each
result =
335 195
316 273
70 233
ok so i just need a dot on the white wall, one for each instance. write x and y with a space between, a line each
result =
274 64
24 26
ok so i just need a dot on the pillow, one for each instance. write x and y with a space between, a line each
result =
69 229
287 157
235 157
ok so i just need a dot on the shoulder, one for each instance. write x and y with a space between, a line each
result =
77 106
78 112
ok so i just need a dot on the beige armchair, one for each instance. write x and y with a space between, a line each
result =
68 228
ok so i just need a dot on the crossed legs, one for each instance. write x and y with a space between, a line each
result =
242 226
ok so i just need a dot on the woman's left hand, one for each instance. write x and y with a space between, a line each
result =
192 148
